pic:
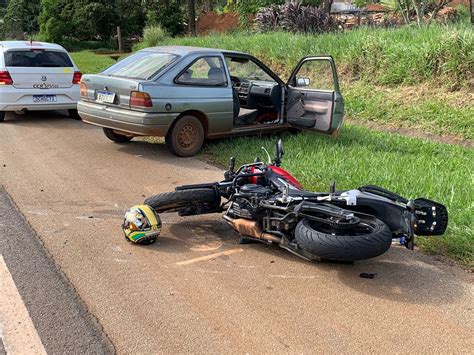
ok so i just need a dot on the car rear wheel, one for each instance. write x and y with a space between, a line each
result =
2 116
185 137
115 137
73 114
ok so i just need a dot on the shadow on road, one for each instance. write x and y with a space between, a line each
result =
401 275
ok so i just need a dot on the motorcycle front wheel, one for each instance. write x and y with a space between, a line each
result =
183 199
367 239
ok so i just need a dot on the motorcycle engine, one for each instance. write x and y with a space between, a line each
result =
246 203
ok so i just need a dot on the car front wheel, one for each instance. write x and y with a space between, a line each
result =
115 137
185 137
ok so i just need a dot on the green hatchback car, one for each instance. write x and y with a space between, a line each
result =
189 94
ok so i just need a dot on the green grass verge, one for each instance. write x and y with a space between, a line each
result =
91 63
409 166
419 108
406 55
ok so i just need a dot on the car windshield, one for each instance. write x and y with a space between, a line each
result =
142 65
246 69
37 58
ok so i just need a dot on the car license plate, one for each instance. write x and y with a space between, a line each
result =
45 98
105 96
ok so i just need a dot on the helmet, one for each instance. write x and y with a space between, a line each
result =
141 225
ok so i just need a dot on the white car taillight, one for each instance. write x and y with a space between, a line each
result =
76 79
5 78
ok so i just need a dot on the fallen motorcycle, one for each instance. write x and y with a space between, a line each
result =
264 203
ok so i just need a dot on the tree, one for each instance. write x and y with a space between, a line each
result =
77 19
21 17
420 9
192 17
168 14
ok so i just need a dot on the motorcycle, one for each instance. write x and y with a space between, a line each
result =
265 203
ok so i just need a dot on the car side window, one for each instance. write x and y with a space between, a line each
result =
205 71
316 75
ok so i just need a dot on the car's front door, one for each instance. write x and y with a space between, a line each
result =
314 101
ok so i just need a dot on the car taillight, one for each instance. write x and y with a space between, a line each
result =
140 99
76 79
83 89
5 78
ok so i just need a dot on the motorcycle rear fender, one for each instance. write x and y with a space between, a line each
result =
395 215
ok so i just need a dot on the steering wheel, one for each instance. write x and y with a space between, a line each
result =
235 80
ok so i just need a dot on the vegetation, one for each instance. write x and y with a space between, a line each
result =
294 17
429 63
410 166
90 63
21 16
441 54
153 36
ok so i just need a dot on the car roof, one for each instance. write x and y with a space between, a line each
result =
184 50
6 45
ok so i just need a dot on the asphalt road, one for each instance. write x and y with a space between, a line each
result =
73 186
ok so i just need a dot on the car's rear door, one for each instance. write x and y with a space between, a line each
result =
314 101
33 68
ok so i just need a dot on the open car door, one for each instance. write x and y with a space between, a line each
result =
314 101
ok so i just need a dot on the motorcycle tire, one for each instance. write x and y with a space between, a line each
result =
370 238
177 200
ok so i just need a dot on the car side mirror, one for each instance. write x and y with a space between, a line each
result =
303 81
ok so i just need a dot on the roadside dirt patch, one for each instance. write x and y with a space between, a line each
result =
209 22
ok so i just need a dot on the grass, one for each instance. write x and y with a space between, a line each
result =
91 63
424 108
406 55
409 166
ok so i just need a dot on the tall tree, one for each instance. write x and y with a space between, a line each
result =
192 17
22 16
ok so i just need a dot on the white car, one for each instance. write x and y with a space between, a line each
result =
37 76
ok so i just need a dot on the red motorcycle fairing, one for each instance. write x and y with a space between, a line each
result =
280 172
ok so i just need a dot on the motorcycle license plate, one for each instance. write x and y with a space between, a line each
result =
105 96
45 98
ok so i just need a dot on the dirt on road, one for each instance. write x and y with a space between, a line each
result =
73 186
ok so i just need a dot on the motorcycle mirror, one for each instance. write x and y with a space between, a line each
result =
232 164
279 148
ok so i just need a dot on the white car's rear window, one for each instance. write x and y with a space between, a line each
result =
142 65
34 58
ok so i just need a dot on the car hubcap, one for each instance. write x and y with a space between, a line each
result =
187 136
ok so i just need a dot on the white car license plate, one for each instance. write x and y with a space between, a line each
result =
45 98
105 96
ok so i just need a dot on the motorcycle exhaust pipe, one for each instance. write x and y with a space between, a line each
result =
251 229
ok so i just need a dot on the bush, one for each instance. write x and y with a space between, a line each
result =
153 36
294 17
170 17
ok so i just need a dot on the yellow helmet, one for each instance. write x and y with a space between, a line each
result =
141 225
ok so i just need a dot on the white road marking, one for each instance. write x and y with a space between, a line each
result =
294 277
209 257
17 330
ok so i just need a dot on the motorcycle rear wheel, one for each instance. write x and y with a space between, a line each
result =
181 199
368 239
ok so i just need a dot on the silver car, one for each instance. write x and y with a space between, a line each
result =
189 94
